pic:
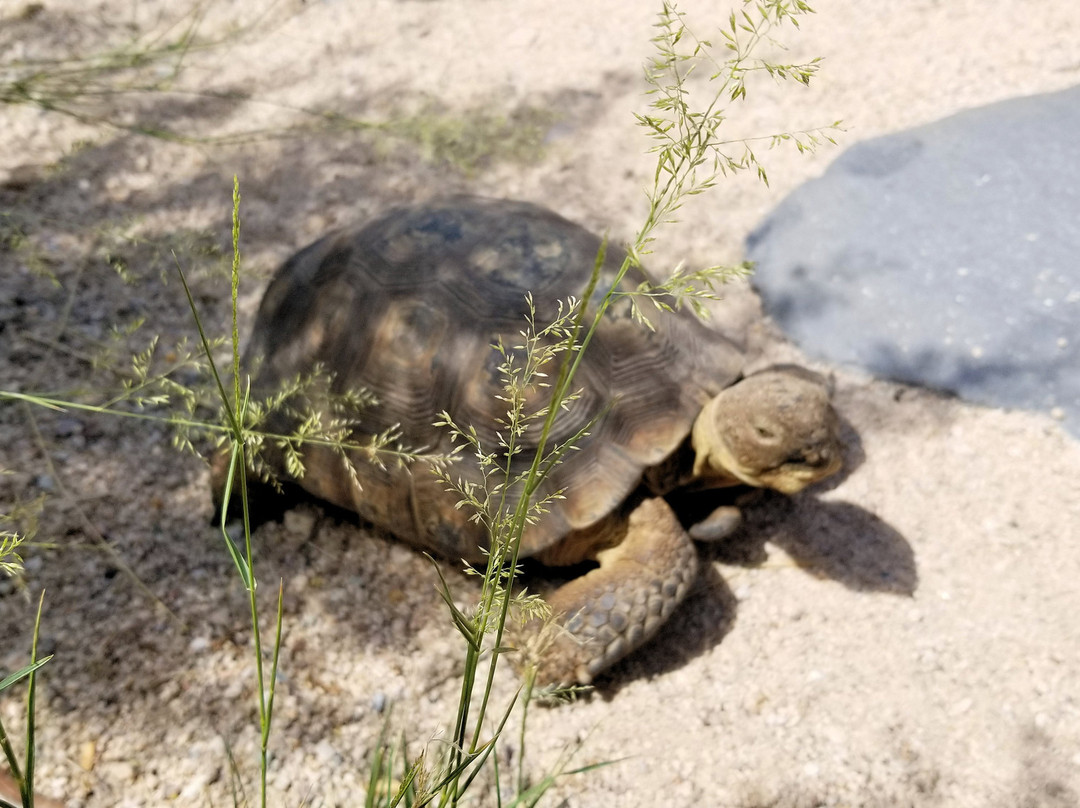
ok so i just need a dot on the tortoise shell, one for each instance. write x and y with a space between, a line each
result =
409 307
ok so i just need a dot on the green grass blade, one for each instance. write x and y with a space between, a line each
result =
489 747
461 621
405 791
535 793
378 761
232 416
31 704
274 665
8 681
9 753
234 552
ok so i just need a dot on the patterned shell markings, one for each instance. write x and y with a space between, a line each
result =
408 307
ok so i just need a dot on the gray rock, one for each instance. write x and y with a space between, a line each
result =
947 256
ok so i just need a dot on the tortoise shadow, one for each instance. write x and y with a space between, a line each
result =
839 541
836 540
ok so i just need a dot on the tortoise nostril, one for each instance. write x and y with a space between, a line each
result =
765 433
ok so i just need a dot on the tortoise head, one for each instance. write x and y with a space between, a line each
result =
774 429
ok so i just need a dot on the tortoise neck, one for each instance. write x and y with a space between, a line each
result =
674 472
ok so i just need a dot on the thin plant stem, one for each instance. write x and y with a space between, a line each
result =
31 711
678 161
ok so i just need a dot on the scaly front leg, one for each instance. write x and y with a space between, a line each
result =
617 607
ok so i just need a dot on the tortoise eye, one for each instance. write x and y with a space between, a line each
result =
764 432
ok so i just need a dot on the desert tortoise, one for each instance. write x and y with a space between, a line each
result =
408 308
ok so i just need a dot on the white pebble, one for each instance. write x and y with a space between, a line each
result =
960 707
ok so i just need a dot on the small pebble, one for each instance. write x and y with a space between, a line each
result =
66 427
327 755
960 707
299 522
235 529
119 771
378 702
87 755
196 786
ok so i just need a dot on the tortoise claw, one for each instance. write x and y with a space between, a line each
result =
718 525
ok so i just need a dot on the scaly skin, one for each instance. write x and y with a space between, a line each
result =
620 605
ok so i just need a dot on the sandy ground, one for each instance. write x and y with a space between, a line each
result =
905 637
